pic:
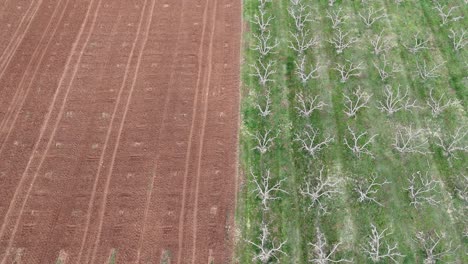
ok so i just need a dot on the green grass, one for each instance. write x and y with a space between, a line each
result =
349 221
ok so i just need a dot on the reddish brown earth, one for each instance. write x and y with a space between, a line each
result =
118 130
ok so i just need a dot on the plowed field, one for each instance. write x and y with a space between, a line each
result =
118 130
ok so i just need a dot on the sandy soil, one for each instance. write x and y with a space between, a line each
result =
118 130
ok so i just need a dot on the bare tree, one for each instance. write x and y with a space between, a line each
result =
341 41
264 71
431 243
262 4
307 105
371 16
300 14
263 21
302 41
418 44
446 13
427 72
323 188
367 188
387 70
421 189
310 143
265 45
331 2
323 253
452 143
305 74
458 38
462 189
336 18
265 110
267 248
266 190
437 105
359 144
395 101
378 250
357 100
380 44
409 140
398 2
348 70
264 141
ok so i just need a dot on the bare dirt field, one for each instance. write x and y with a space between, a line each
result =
118 130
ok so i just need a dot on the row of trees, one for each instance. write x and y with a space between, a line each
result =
406 140
267 246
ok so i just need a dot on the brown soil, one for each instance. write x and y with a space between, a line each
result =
118 130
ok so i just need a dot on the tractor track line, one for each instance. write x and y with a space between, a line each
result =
25 92
45 124
104 151
203 128
153 175
122 123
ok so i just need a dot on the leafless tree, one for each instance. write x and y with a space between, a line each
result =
378 250
300 14
305 74
263 20
452 143
341 41
421 189
308 104
302 41
371 16
331 2
462 189
395 101
264 141
323 253
266 247
265 110
367 188
431 243
418 44
427 72
398 2
323 188
336 18
357 100
310 143
446 13
437 105
458 38
348 70
264 71
265 44
262 4
409 140
266 190
380 44
387 70
359 143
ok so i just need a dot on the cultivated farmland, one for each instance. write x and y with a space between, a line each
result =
354 132
118 130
